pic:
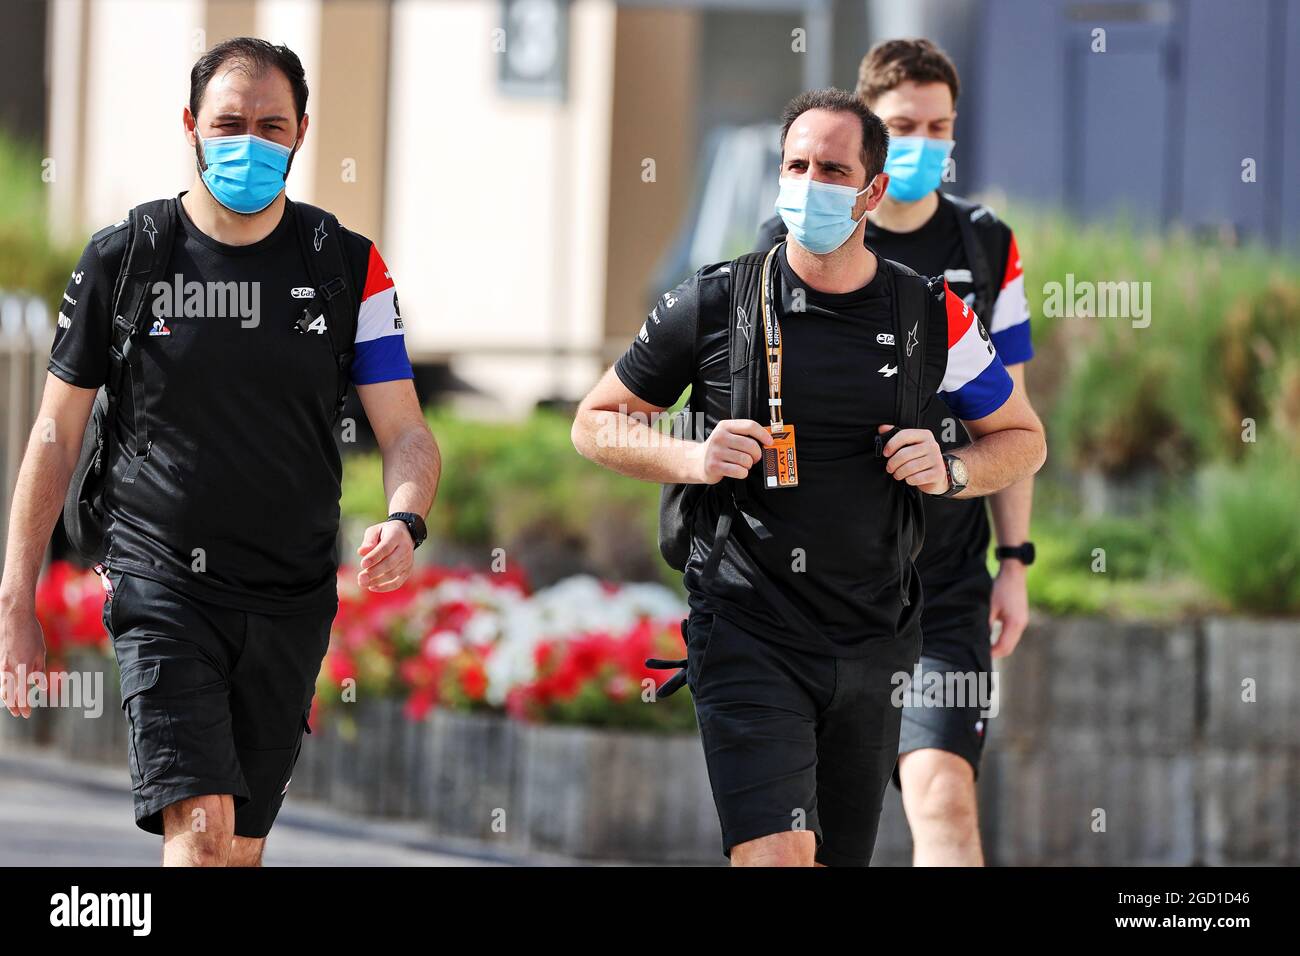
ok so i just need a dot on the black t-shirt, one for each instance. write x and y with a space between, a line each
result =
237 502
952 564
827 578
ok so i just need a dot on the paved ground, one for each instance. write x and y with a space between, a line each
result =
57 813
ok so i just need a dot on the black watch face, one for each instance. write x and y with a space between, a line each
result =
417 533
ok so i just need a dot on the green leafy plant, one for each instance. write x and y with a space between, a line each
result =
1241 536
521 486
29 260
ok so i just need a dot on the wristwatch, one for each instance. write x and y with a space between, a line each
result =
1024 553
414 524
958 476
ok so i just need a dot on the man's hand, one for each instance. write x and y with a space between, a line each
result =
732 448
1008 607
22 654
387 556
915 457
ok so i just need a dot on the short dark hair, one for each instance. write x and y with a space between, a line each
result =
255 55
892 63
875 135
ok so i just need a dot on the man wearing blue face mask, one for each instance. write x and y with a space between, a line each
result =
226 326
795 516
913 86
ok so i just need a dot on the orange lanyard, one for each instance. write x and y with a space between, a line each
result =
772 335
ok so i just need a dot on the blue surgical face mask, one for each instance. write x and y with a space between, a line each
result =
244 173
818 216
915 166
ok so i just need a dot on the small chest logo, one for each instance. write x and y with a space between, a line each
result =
888 370
302 292
159 328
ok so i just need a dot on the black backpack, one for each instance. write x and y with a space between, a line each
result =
914 296
151 228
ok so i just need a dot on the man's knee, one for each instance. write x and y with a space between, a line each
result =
198 831
790 848
938 789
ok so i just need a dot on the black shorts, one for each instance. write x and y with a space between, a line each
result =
795 740
947 709
217 699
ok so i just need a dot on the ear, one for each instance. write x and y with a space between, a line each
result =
876 191
189 122
302 131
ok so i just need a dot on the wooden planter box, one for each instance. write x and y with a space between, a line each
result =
1249 772
100 738
1146 722
610 795
470 776
355 763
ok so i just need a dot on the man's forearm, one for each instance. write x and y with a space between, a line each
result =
412 468
38 499
631 446
1011 508
1000 459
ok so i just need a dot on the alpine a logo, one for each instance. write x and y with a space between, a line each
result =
302 292
888 370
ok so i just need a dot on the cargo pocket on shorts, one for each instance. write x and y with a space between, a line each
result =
152 740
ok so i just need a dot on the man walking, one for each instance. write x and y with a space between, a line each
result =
223 474
913 86
804 608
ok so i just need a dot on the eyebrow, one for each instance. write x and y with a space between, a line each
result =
240 116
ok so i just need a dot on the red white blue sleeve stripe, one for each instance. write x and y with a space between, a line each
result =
976 383
1010 323
380 349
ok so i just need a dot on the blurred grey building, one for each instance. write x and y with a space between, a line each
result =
1167 111
618 144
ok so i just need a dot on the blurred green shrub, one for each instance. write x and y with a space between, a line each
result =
1222 345
29 262
1122 567
522 487
1241 534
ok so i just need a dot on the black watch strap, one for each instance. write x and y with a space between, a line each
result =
414 524
1024 553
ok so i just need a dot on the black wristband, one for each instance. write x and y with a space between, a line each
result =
414 524
1024 553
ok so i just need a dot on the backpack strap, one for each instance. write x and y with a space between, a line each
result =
744 340
968 214
335 300
912 301
148 250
